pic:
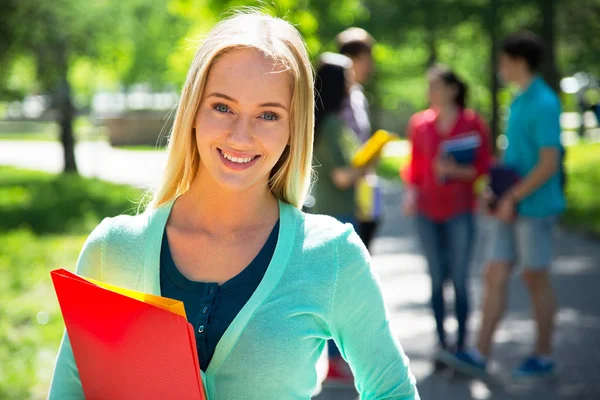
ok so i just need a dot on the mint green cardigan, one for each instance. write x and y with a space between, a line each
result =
319 285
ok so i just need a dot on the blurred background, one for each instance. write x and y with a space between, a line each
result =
87 91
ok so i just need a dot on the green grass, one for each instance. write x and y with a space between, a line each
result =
30 322
45 203
30 136
583 183
49 131
51 136
44 220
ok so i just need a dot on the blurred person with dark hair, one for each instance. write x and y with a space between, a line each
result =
440 193
335 143
525 215
357 44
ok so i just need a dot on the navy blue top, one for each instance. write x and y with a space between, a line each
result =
211 307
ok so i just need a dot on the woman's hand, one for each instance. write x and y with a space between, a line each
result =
487 201
445 167
346 177
507 209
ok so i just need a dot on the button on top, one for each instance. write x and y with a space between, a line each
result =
201 329
211 290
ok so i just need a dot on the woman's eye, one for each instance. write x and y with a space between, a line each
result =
269 116
221 108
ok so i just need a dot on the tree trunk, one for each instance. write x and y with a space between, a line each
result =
66 113
493 32
548 33
430 25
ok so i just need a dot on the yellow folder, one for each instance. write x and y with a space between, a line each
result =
174 306
371 147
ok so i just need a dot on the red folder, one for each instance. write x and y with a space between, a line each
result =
126 347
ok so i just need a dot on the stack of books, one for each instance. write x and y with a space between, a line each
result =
462 149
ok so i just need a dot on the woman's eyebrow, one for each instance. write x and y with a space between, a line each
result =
273 104
229 98
222 96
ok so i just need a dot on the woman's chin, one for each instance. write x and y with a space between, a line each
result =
239 184
213 178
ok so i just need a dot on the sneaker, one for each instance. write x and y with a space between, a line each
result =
534 368
441 357
339 374
463 361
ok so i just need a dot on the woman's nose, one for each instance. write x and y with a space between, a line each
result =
241 133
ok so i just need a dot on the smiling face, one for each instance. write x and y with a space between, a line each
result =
243 120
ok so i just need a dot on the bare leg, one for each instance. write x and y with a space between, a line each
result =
494 303
544 307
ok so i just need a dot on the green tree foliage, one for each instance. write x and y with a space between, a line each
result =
70 39
51 34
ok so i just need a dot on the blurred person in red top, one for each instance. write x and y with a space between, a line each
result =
440 192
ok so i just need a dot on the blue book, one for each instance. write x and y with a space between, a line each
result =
463 148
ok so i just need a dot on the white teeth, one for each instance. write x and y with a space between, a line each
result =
236 159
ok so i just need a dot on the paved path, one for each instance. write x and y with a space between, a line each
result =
397 259
94 159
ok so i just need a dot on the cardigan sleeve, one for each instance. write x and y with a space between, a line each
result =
361 329
66 384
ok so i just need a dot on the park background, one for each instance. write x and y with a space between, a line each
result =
89 85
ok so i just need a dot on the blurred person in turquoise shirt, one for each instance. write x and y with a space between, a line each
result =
523 222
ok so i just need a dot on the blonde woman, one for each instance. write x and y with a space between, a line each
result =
263 284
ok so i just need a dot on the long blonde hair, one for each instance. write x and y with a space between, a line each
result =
275 38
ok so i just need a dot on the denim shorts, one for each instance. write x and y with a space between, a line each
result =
528 241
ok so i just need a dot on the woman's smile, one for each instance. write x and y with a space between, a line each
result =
237 161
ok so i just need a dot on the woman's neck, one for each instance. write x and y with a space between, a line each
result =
446 118
207 207
447 113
